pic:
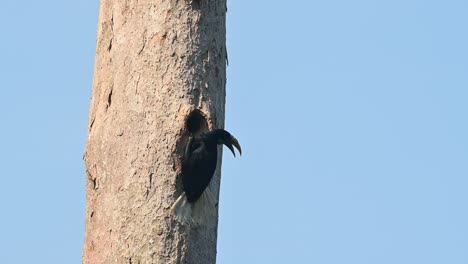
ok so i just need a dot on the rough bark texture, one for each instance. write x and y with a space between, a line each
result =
156 61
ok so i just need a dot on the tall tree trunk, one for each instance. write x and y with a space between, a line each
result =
156 61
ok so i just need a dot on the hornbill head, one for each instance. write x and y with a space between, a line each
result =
224 137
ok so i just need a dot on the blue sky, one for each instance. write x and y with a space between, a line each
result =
352 116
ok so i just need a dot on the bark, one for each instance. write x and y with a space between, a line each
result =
156 61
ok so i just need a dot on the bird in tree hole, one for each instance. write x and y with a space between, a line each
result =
195 205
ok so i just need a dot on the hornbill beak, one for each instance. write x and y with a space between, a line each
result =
233 142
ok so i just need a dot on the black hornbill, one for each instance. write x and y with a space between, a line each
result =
198 166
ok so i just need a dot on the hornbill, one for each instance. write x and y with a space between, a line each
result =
194 206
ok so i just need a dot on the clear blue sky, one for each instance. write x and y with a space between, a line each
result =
352 116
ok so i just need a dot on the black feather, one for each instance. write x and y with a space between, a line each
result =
200 161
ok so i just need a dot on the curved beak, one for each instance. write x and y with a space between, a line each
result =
233 142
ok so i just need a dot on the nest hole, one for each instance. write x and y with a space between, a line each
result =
196 122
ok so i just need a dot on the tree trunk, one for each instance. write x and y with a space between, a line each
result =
156 62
